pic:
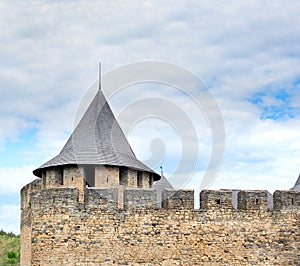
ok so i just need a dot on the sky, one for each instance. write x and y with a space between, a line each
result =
247 53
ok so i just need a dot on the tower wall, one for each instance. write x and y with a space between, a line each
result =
73 177
62 230
52 177
106 176
132 178
26 219
145 179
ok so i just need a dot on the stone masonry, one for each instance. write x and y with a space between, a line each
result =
123 226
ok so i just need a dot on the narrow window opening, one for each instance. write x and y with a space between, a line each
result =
218 201
72 178
292 201
123 176
140 179
44 179
89 175
256 201
61 176
150 180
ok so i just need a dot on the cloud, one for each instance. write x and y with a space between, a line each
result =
12 179
10 218
247 52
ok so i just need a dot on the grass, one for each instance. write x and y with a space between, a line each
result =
9 249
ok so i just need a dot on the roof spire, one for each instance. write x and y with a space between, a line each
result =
100 74
161 171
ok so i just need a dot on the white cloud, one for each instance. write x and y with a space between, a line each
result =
50 50
12 179
10 218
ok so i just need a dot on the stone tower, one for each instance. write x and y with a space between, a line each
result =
93 205
97 154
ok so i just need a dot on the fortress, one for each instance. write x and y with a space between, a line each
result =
96 204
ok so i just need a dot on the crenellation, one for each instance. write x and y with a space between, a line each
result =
135 198
94 205
55 197
26 191
177 199
253 200
286 199
59 230
101 198
216 200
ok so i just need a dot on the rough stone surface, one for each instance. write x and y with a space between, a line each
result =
52 177
253 200
145 179
57 229
139 198
177 199
286 199
132 178
106 176
73 177
216 199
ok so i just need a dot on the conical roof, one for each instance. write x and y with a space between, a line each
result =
99 140
162 184
297 184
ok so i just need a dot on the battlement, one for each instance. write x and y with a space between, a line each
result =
146 198
176 199
103 198
35 185
253 200
140 198
124 225
286 199
216 199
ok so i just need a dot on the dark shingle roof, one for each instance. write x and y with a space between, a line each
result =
97 139
297 184
162 184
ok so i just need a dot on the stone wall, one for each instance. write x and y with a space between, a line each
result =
73 177
132 178
26 219
99 231
106 176
52 177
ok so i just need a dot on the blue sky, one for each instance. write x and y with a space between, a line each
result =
247 52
